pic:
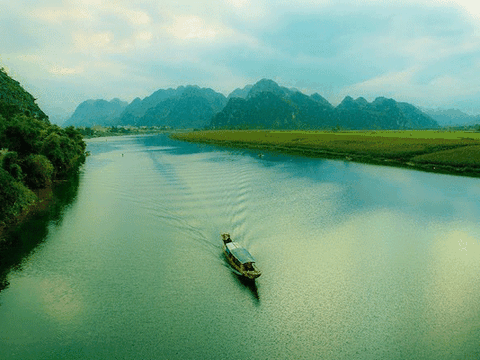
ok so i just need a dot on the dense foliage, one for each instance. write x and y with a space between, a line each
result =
33 152
269 106
184 107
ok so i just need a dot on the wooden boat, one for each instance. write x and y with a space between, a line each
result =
241 261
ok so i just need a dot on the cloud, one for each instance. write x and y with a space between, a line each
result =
58 15
135 17
66 71
442 89
410 50
191 27
90 41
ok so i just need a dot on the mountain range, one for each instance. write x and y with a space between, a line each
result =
262 105
452 117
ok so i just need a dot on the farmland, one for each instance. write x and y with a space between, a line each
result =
455 152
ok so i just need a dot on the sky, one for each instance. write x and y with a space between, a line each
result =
65 52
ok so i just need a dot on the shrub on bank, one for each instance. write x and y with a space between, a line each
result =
38 171
14 197
10 164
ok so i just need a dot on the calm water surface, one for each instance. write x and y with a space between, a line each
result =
358 261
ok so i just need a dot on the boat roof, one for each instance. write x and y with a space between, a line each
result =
240 253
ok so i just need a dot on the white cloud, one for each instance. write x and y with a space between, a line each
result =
58 15
408 50
402 86
136 17
389 83
57 70
144 36
191 27
92 41
472 7
239 3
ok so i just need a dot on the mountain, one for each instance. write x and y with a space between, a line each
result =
96 112
137 108
452 117
382 113
320 99
190 106
268 105
15 100
240 93
270 86
262 105
185 106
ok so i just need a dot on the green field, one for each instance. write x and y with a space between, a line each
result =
440 151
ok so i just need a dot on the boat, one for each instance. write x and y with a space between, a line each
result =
241 261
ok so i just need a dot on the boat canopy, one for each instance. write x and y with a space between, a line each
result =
240 253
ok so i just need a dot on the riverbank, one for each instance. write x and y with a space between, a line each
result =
447 152
22 234
39 203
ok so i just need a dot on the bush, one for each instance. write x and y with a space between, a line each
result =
14 196
38 171
23 135
10 163
64 148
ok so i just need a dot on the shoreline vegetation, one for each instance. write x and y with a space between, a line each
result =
35 155
456 153
106 131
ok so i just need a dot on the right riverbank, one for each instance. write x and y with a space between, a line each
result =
456 152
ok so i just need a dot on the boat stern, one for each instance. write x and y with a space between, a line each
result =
250 271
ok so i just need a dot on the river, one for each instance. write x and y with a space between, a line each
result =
358 261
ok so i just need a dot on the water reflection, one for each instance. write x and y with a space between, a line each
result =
22 240
356 264
250 286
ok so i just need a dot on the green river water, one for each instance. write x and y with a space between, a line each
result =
358 261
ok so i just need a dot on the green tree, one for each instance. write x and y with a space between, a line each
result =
38 171
14 196
23 135
10 163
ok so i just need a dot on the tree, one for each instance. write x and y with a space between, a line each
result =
23 135
38 171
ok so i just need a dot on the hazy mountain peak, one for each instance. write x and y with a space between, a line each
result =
267 85
319 98
362 101
452 117
347 103
96 112
240 93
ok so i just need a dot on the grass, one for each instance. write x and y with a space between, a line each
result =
441 151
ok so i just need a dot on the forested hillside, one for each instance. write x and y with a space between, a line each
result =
270 106
95 112
33 152
264 105
186 106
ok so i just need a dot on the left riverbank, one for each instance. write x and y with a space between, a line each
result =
30 228
34 153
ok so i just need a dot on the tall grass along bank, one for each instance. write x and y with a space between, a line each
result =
438 151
